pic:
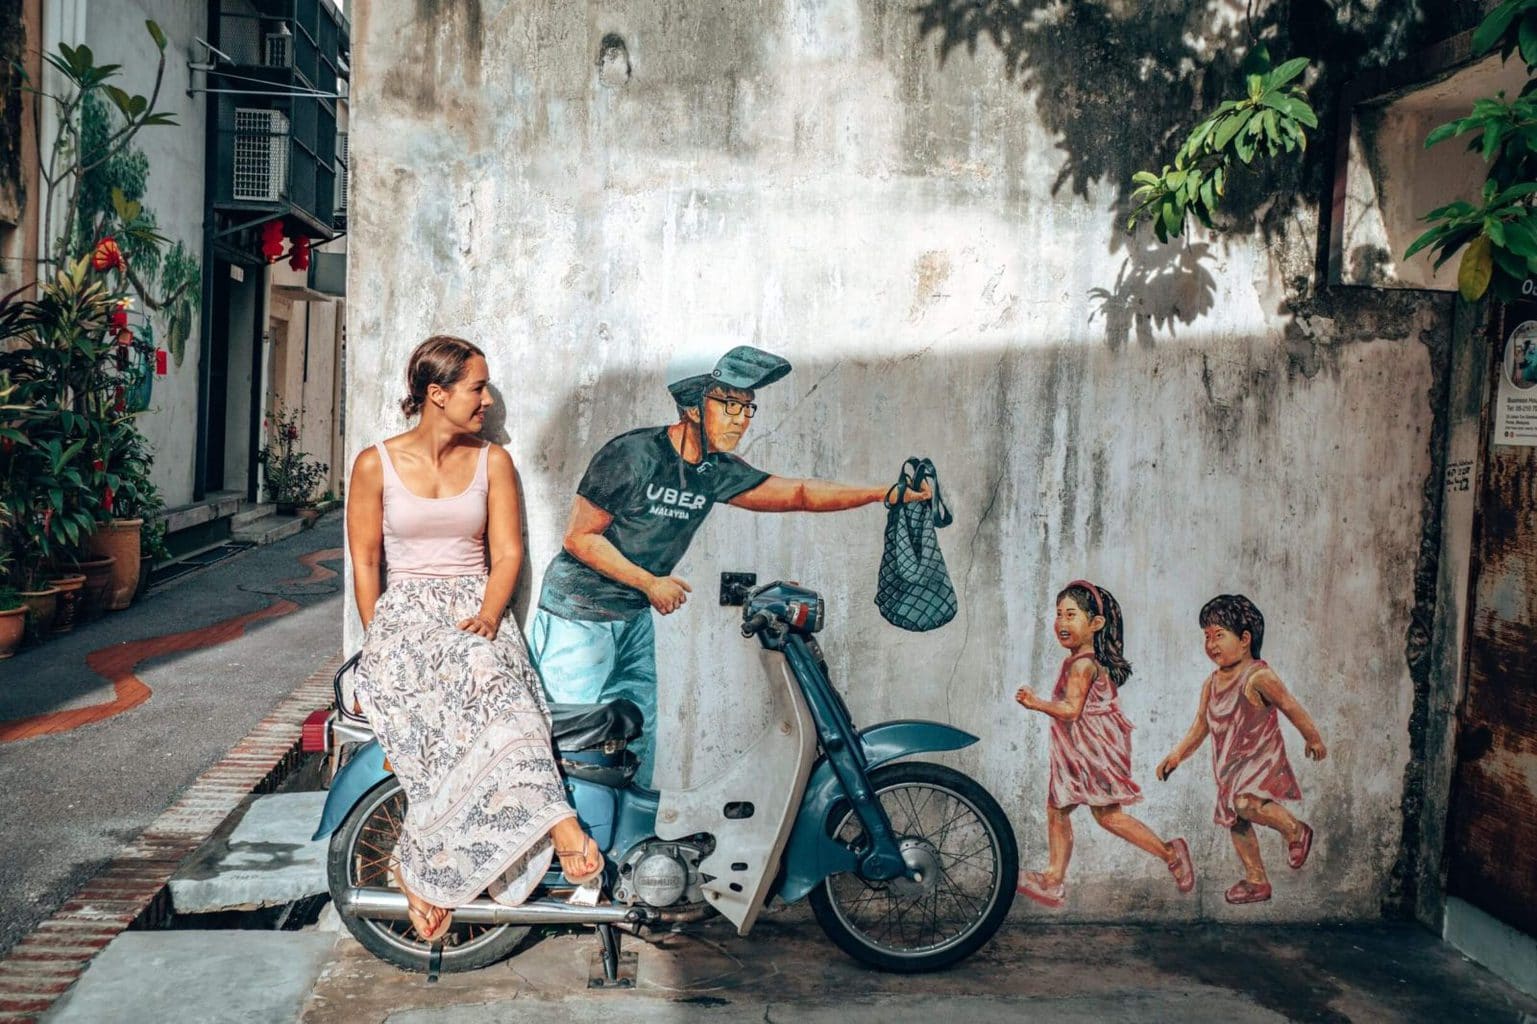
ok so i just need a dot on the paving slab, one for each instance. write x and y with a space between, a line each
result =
786 970
197 977
267 860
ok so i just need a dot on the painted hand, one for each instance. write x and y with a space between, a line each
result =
667 594
1166 767
1316 751
1025 697
922 494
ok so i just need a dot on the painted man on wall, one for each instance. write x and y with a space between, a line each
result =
643 497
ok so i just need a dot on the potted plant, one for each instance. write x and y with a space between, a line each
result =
290 474
152 549
128 498
13 614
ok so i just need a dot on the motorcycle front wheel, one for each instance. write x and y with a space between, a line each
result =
360 854
956 837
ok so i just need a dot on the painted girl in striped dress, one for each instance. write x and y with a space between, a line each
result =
1091 743
1239 705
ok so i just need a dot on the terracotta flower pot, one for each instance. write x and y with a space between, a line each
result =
92 599
120 539
68 587
13 624
41 606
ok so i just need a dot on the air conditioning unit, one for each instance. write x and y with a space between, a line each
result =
261 155
342 174
277 49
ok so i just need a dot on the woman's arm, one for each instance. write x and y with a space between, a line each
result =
1270 687
1199 730
1079 678
504 543
783 494
365 530
585 542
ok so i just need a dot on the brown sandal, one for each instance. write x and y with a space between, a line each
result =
581 852
421 919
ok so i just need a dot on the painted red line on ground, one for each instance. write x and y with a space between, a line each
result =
311 562
117 663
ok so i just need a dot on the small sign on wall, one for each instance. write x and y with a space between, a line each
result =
1515 417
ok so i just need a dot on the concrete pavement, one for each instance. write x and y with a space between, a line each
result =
74 797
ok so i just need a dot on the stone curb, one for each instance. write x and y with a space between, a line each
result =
132 890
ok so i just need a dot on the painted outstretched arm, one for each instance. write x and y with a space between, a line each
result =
1079 677
365 530
1269 686
1193 739
584 541
785 494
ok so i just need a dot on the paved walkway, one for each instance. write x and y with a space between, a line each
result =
102 728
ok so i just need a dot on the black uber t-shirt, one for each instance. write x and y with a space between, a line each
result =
635 478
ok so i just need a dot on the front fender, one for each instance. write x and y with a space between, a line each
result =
360 774
811 854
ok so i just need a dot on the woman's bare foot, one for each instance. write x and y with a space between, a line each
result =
580 859
430 921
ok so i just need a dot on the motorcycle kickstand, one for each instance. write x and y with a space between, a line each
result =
608 936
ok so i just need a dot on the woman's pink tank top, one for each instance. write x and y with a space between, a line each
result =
426 538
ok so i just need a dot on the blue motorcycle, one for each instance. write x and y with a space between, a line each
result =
909 866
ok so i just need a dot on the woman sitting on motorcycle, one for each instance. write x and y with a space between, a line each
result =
444 677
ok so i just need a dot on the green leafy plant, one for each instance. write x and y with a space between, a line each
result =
1497 235
291 475
1272 118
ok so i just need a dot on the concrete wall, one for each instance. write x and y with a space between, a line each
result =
936 246
116 34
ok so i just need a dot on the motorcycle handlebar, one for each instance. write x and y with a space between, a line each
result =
755 625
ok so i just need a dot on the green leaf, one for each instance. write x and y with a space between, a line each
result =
1491 140
1521 238
1256 61
1144 178
1493 27
159 119
1475 270
1443 133
1287 71
1272 132
1528 38
120 99
1230 128
1526 188
1428 238
1173 218
156 34
1208 194
1509 263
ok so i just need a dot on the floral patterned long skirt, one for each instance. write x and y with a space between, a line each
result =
464 724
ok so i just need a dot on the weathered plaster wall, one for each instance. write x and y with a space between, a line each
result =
936 246
116 34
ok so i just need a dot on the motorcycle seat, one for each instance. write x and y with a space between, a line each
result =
595 726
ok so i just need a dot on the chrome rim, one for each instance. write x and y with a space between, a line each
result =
946 840
368 864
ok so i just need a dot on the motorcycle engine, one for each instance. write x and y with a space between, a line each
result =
662 874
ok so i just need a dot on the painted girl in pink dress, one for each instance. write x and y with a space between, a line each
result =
1238 709
1091 743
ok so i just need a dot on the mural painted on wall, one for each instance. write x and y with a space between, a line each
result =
638 506
1091 743
1240 708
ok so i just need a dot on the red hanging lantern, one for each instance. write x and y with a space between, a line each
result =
299 255
160 370
272 240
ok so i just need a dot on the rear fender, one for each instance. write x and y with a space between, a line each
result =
361 773
812 855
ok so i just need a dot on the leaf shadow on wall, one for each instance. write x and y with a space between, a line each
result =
1156 288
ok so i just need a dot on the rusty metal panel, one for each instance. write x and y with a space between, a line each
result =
1492 827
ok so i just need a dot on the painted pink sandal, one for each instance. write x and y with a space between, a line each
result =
1034 885
1297 853
1245 891
1183 869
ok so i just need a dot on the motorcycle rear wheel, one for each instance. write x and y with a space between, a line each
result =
950 825
359 855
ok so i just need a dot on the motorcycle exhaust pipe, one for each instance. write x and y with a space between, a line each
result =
390 905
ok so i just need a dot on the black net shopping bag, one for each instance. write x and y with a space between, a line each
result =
913 590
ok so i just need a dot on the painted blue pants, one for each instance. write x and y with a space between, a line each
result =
583 662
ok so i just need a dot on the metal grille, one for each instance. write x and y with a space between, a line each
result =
279 51
342 175
261 155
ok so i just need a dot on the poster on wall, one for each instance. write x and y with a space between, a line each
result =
1515 420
